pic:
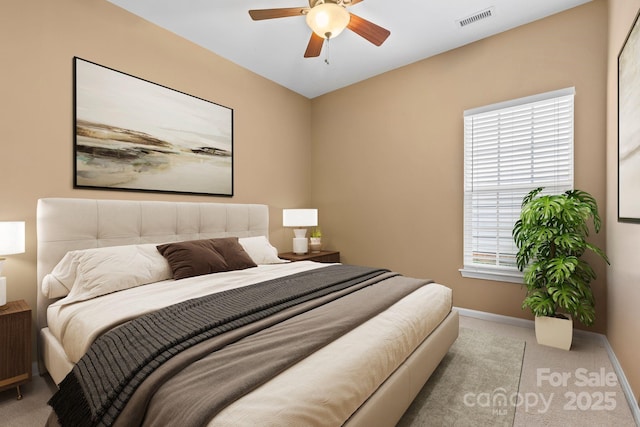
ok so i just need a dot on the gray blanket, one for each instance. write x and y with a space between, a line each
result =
101 385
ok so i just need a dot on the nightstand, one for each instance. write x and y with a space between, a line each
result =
322 256
15 345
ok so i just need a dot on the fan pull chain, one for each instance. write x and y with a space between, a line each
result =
326 59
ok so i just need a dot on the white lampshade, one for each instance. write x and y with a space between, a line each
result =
328 20
300 217
11 237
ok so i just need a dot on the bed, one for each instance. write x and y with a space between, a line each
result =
366 373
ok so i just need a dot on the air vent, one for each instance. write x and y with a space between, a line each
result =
479 16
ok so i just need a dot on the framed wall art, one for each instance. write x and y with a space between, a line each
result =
629 127
132 134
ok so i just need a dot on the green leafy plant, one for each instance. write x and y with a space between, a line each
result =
551 239
316 232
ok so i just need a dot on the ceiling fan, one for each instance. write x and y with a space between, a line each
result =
327 19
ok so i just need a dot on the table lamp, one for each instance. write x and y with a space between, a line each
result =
299 219
11 242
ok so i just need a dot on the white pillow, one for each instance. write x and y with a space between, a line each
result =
59 282
260 250
93 272
54 288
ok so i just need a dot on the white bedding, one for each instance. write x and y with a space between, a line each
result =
327 385
78 324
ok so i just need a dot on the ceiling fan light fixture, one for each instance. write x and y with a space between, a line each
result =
328 20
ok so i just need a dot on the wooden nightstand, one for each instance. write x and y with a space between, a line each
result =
322 256
15 345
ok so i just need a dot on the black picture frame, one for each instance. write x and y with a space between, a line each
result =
629 126
131 134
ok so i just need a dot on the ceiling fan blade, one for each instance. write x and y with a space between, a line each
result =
370 31
314 47
259 14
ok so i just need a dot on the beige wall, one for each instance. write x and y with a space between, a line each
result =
387 153
623 239
39 40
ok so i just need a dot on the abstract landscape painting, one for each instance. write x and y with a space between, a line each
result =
131 134
629 127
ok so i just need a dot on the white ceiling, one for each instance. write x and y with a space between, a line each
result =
274 48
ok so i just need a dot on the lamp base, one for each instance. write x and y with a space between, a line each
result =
300 242
300 245
3 292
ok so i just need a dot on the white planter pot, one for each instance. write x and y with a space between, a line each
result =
315 244
554 332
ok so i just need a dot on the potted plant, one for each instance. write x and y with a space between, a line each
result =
315 242
551 236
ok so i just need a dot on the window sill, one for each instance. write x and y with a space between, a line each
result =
497 275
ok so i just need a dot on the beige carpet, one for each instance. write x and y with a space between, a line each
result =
476 384
32 410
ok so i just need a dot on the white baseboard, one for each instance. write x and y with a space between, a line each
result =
524 323
499 318
626 387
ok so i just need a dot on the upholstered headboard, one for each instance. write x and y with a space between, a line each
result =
68 224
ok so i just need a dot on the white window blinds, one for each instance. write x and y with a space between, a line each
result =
511 148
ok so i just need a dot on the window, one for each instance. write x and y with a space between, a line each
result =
511 148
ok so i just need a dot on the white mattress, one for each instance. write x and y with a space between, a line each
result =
327 385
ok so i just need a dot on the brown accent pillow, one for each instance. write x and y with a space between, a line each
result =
233 253
206 256
192 258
